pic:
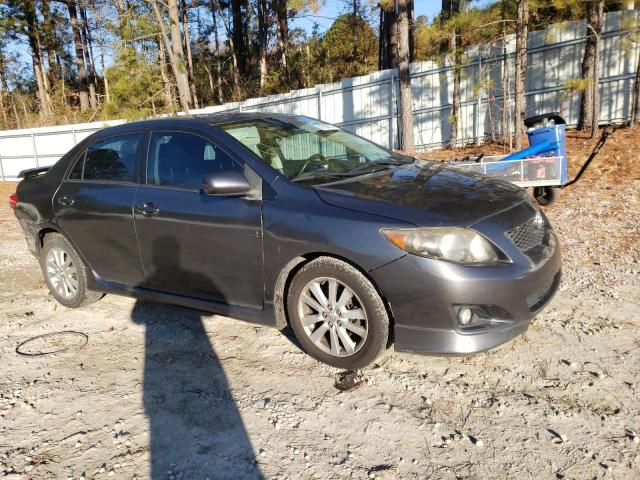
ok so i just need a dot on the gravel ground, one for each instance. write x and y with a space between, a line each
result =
167 393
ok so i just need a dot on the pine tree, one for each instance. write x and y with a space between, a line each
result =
590 99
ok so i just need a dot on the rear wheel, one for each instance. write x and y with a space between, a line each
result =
336 314
64 273
546 195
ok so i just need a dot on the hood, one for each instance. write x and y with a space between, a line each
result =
425 194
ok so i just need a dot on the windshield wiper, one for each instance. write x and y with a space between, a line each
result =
376 163
360 169
316 174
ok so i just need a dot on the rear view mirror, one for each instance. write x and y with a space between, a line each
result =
225 183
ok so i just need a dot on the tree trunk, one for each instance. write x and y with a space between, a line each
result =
177 52
238 35
48 35
505 126
410 13
635 96
107 95
262 41
33 35
589 100
234 56
174 51
101 45
456 100
166 83
3 88
388 51
79 55
406 111
212 84
187 45
282 27
92 78
451 8
522 33
216 40
354 28
5 123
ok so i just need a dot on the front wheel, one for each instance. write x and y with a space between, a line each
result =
337 314
546 195
64 273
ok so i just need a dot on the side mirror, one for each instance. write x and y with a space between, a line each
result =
225 184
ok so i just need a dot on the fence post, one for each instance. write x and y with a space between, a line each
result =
73 132
1 169
479 101
392 114
35 150
319 102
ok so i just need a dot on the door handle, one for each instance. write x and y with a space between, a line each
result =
66 201
147 210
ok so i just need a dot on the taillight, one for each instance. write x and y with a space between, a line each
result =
13 200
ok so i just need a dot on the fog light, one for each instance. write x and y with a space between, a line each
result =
465 315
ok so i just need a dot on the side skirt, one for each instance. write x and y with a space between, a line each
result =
262 316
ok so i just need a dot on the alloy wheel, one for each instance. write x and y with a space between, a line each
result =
333 317
62 273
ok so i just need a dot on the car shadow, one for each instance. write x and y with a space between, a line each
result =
195 427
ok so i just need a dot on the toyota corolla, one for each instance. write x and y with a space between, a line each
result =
288 221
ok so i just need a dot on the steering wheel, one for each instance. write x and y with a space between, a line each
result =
312 158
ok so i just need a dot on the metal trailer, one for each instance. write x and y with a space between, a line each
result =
542 166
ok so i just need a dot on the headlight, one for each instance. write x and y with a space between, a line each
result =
460 245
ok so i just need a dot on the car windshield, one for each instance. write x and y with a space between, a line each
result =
302 148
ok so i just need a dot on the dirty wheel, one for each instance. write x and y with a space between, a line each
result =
64 273
336 314
546 195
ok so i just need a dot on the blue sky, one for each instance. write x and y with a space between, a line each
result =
334 8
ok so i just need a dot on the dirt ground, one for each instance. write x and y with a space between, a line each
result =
167 393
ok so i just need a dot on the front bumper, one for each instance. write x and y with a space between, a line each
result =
423 294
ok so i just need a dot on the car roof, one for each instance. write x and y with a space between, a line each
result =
224 117
185 120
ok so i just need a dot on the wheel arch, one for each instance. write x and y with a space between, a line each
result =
49 229
291 268
42 233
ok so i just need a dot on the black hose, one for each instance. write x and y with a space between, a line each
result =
84 339
605 135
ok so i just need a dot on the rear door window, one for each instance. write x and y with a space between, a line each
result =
182 159
109 160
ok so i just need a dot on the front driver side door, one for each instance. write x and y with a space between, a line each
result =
192 244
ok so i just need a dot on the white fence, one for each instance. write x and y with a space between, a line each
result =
368 105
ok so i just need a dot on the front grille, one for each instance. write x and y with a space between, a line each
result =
527 235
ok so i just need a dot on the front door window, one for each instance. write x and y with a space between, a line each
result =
181 160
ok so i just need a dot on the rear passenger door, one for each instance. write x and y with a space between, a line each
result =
94 204
193 244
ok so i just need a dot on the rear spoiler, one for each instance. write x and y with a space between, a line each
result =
32 172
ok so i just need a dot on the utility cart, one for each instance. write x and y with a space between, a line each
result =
542 166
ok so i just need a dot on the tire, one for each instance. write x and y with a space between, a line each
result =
67 284
352 330
546 195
